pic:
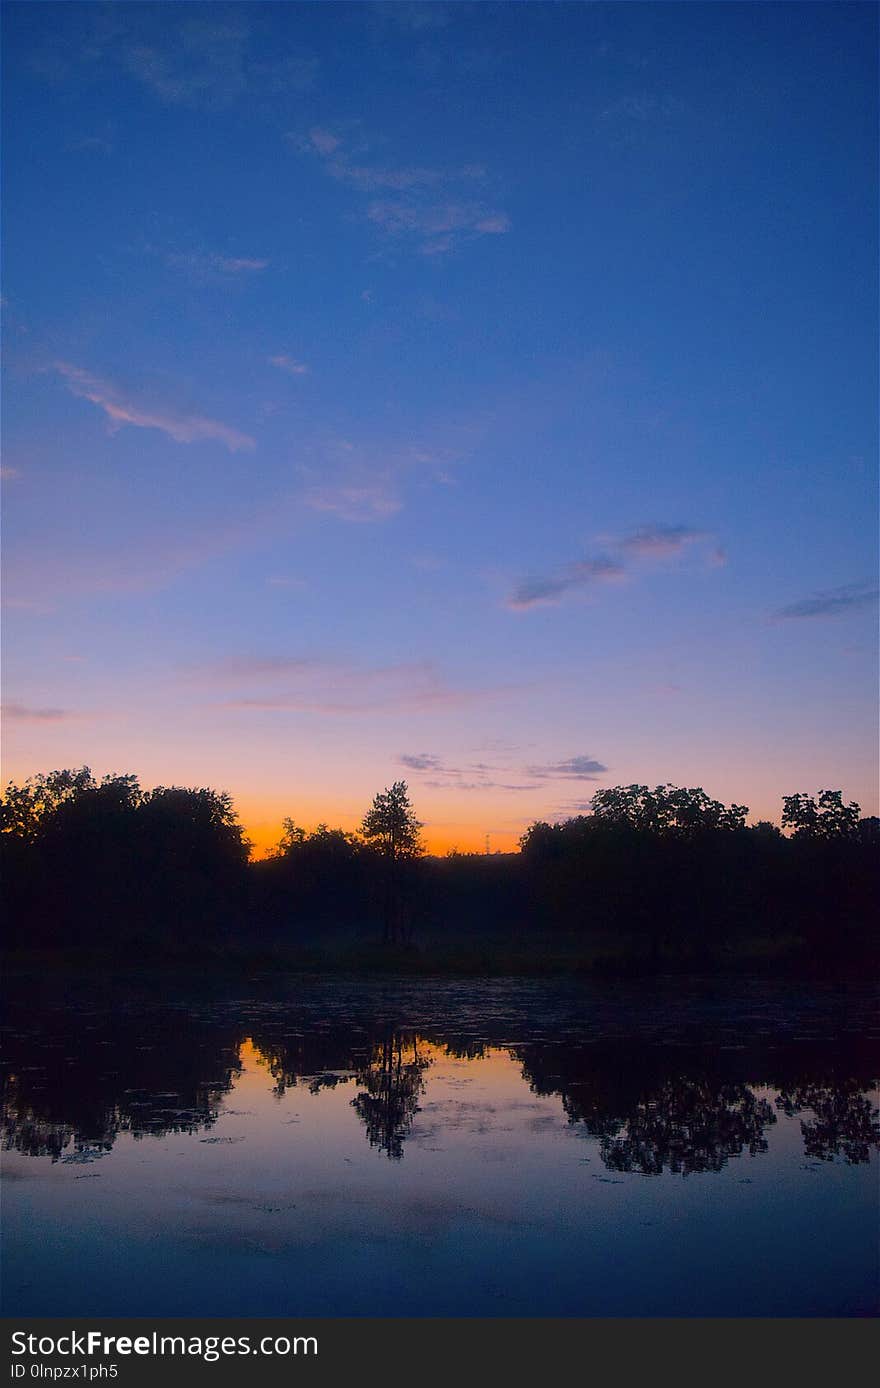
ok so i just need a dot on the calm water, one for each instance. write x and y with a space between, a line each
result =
458 1148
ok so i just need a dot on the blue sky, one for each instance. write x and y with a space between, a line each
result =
480 394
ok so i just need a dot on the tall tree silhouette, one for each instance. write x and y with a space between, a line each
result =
390 825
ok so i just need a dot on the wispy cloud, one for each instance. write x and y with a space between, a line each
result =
439 774
363 482
374 178
324 141
433 208
100 561
294 684
24 713
236 265
289 365
280 581
437 226
209 62
122 409
203 66
660 541
581 768
91 144
641 108
202 57
372 498
207 267
413 17
655 542
549 589
421 761
834 602
257 667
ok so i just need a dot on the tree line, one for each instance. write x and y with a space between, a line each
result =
659 874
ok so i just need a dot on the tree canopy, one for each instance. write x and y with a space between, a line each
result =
391 824
829 819
666 809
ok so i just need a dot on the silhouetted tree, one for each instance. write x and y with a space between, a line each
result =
25 809
315 877
666 809
652 863
102 863
830 819
391 826
193 854
664 876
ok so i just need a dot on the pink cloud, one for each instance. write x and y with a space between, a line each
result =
370 500
494 225
324 141
183 428
288 364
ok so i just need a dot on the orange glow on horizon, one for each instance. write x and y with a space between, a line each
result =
264 836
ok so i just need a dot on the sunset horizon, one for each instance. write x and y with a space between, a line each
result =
439 819
375 412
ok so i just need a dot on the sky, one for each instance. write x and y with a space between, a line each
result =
480 395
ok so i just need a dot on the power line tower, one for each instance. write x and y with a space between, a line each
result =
487 846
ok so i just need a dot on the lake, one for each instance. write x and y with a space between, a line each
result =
307 1147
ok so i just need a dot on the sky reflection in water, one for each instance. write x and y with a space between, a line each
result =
441 1149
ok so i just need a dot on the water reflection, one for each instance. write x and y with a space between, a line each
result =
686 1110
77 1074
446 1148
392 1083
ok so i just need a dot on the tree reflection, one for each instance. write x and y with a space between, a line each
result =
392 1084
687 1110
687 1126
73 1081
844 1122
78 1073
388 1067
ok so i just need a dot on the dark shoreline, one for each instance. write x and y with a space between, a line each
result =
411 962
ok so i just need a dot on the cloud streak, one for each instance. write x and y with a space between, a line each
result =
660 541
295 684
121 409
211 265
204 57
431 208
582 768
289 365
485 776
362 483
545 590
206 61
648 543
23 713
834 602
372 498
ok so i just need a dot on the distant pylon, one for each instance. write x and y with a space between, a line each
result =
487 845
